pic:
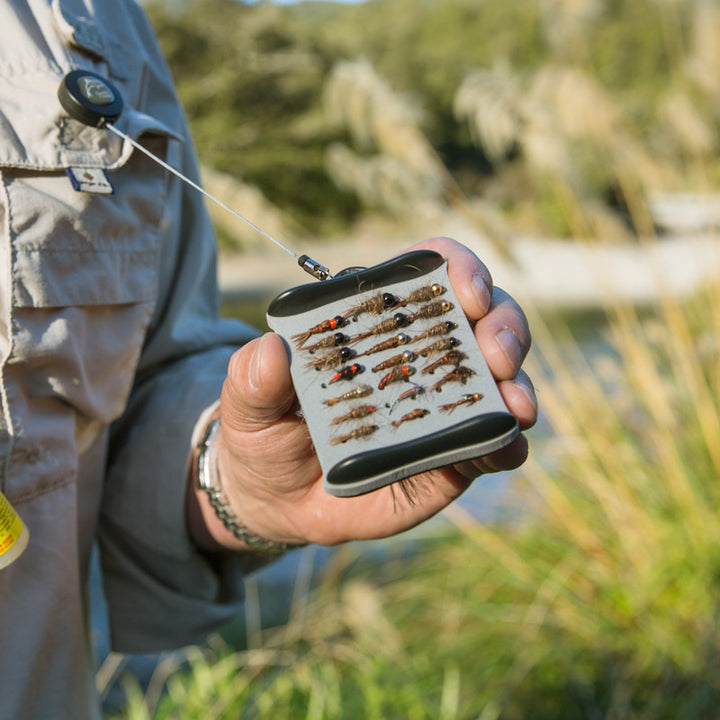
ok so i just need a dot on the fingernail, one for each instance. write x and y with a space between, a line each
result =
255 365
481 291
527 389
511 347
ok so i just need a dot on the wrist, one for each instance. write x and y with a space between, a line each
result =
225 526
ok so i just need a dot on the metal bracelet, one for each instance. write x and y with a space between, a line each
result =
206 475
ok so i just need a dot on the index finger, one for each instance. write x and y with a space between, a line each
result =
470 279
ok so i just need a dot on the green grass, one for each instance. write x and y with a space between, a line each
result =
603 602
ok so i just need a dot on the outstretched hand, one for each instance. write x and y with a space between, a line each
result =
269 470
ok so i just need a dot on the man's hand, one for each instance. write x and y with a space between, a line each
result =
269 470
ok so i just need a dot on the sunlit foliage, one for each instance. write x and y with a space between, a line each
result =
498 91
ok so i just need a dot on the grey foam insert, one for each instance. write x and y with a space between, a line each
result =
408 431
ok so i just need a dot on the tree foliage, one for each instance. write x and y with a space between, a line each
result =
252 79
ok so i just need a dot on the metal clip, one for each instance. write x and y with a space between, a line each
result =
314 268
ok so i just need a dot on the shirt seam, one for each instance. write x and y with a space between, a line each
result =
37 492
4 396
34 250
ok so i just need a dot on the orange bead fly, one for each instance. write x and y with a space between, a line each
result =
347 373
399 373
356 413
469 399
325 326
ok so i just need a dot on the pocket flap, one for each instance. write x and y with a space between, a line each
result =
37 134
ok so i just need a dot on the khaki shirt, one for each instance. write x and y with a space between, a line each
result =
111 348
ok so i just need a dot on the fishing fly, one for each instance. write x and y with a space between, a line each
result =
357 413
430 310
375 305
422 295
410 394
468 399
415 414
331 359
453 357
360 391
328 342
347 373
400 359
413 393
389 344
399 373
357 434
325 326
461 375
442 328
396 322
438 346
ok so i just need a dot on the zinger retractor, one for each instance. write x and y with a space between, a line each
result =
90 98
388 394
93 100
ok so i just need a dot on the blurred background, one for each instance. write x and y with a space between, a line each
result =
573 145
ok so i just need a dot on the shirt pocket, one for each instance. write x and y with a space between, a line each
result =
70 247
79 269
81 282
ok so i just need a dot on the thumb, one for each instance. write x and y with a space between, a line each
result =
258 388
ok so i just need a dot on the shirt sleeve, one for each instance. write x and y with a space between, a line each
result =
162 592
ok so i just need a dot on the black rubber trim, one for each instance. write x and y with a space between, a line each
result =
474 431
313 295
